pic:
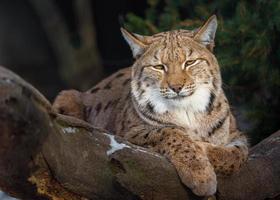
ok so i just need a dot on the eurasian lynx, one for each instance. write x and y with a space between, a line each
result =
171 101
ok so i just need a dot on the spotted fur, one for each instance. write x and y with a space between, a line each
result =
171 101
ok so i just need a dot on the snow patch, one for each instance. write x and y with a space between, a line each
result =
275 139
115 146
7 80
254 156
148 152
69 130
3 196
237 143
262 154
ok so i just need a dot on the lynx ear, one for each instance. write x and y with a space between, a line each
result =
206 33
136 42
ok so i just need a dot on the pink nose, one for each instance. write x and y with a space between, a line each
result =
176 87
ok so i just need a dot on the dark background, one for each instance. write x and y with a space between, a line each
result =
25 47
63 44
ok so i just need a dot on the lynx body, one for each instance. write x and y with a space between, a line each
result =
171 101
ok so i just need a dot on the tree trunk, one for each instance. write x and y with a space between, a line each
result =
44 155
75 61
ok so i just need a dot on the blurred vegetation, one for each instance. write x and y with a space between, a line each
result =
247 48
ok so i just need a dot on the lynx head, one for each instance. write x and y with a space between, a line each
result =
175 69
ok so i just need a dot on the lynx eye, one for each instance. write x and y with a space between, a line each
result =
189 62
159 67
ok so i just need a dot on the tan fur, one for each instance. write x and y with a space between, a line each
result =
171 101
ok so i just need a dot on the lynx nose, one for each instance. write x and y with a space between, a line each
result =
176 87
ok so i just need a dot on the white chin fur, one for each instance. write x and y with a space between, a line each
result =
197 102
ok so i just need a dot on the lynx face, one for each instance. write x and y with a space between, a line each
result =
175 69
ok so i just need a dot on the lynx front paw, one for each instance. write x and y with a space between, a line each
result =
205 186
202 181
201 185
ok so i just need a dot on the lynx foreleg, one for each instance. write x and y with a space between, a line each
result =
189 159
229 158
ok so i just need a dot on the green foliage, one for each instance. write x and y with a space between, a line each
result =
247 47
